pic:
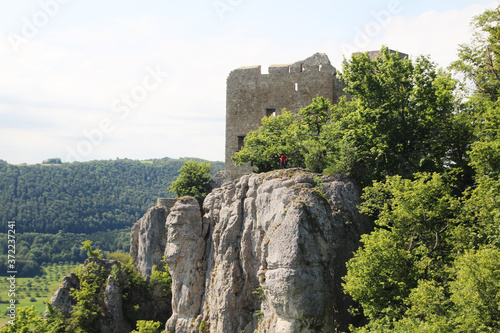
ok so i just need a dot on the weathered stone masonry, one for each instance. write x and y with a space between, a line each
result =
252 95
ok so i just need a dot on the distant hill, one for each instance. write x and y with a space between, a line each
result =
56 206
84 197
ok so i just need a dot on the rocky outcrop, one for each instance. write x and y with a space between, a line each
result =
148 237
267 256
113 320
120 298
184 255
62 298
216 181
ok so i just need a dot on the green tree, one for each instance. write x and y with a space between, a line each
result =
447 243
147 326
84 197
119 256
418 211
314 138
476 291
380 276
301 137
479 60
480 218
91 253
192 180
161 275
315 116
468 304
428 310
409 245
52 161
27 320
89 300
264 146
399 120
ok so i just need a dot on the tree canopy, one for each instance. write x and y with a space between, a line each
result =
299 136
432 262
84 197
400 119
192 180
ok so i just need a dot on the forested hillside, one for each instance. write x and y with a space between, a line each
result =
84 197
56 206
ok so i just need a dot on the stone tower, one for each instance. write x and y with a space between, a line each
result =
252 95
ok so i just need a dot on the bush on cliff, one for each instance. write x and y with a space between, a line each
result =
192 180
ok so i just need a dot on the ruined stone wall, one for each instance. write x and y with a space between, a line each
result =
376 54
252 96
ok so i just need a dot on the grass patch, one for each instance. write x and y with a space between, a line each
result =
33 290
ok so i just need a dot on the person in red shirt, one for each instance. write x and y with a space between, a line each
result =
282 161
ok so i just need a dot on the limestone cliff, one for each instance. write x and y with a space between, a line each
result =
267 256
148 237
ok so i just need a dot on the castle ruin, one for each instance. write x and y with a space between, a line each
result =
251 95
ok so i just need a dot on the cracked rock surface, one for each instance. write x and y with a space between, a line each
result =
267 255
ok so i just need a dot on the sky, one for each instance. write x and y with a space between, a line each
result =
88 80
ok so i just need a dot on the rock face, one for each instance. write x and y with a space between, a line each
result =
113 320
216 181
267 256
184 255
148 237
62 298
